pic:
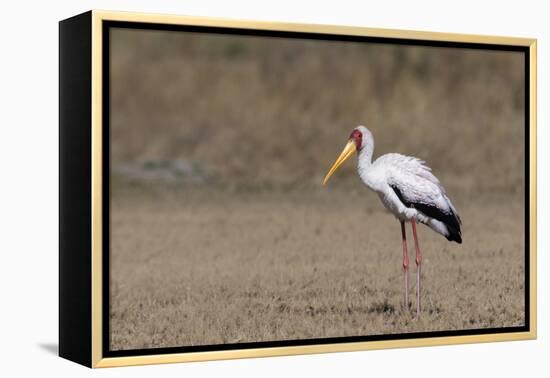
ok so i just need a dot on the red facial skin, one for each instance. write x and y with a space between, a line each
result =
357 137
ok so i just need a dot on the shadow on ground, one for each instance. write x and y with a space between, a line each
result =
51 348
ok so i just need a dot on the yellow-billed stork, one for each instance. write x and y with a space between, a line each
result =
409 190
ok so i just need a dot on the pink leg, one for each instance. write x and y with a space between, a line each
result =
405 264
418 266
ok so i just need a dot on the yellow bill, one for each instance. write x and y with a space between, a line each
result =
346 153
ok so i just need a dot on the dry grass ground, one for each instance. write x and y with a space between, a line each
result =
195 268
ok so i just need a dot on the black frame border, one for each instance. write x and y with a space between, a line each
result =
75 182
107 25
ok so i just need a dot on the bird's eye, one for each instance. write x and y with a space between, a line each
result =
357 137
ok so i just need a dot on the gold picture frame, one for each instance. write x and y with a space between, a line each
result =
82 336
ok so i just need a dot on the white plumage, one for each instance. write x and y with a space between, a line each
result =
408 189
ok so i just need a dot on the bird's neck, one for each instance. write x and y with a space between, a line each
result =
364 157
364 163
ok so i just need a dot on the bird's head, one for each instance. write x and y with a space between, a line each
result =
360 139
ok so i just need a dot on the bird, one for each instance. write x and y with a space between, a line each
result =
409 190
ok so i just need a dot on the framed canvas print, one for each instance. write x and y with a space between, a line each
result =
236 189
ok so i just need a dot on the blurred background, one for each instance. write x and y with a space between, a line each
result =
221 231
258 112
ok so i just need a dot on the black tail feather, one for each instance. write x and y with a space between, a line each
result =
454 234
